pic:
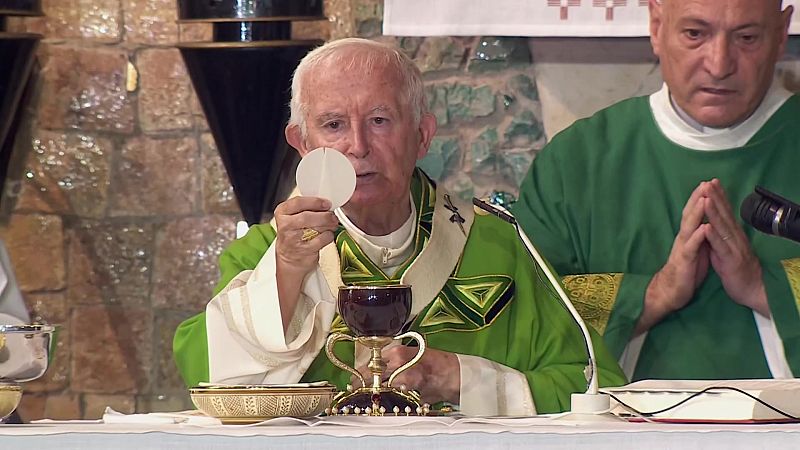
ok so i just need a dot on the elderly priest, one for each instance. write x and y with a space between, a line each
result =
499 341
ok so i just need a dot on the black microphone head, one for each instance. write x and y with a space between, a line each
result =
749 206
759 212
772 214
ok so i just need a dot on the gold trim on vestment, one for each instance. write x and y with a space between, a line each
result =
593 296
792 269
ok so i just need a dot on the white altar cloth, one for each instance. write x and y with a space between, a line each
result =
521 433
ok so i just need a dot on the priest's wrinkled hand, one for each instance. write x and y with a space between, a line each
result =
437 376
304 226
732 255
674 285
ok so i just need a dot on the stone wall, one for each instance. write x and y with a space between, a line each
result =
118 206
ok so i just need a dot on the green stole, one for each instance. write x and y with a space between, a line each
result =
463 304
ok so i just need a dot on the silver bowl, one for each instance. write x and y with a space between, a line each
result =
10 396
24 352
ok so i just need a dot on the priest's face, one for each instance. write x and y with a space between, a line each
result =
365 115
718 56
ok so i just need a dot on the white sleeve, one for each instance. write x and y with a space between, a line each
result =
773 347
492 389
246 342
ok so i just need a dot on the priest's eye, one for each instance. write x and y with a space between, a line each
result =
692 33
333 125
748 38
379 120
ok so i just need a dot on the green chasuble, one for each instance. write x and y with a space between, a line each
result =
603 202
495 305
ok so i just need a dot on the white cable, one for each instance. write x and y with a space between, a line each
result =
591 377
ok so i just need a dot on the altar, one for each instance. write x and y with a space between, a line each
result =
525 433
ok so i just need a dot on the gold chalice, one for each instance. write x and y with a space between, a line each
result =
376 316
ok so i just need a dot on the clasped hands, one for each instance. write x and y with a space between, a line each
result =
708 235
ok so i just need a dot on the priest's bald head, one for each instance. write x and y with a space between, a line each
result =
718 57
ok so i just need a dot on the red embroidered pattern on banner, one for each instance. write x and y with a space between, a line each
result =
609 5
564 6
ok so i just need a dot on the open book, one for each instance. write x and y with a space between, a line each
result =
718 404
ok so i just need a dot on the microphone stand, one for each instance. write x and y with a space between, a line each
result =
591 405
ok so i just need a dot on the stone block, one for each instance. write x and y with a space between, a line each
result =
151 22
164 402
311 30
367 9
440 53
441 158
524 85
186 267
36 246
340 13
436 95
64 406
499 53
84 88
167 380
100 20
156 176
461 185
66 174
468 102
369 28
483 148
514 166
112 349
110 263
195 32
524 130
218 195
410 45
165 97
94 20
94 405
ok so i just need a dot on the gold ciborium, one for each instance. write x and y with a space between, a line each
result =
376 316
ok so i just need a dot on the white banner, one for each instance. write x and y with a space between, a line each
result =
523 17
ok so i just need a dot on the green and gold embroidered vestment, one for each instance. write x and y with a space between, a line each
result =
494 305
603 202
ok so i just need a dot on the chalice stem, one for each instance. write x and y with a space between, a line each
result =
376 366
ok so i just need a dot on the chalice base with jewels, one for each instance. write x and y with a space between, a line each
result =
376 315
383 401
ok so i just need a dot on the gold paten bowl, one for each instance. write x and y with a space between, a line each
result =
255 403
10 395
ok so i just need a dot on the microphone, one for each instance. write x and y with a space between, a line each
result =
771 214
591 402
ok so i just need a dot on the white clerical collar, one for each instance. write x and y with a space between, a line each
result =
679 128
388 251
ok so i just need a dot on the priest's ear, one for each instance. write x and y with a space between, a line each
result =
656 22
294 136
427 129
